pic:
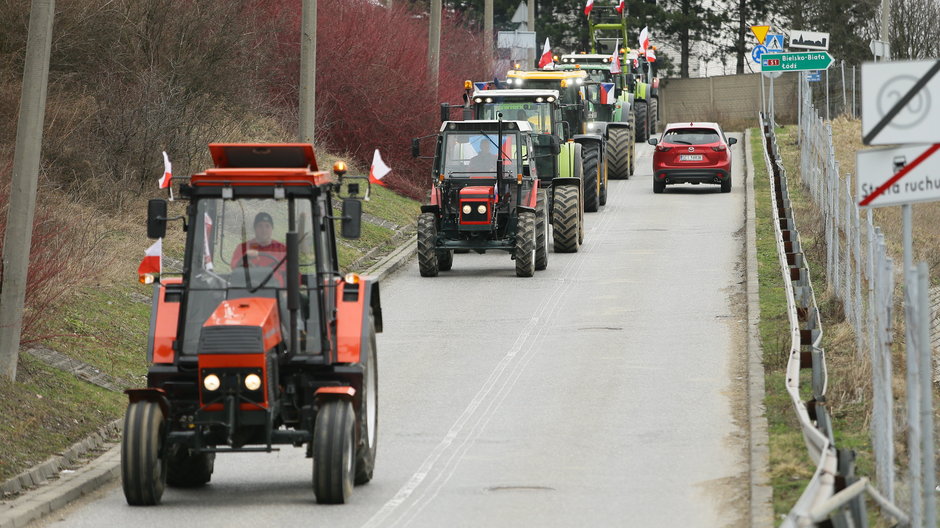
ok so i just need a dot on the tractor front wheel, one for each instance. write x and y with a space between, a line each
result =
333 452
619 152
368 412
642 123
143 470
445 259
654 116
525 245
592 177
189 470
566 219
541 232
428 263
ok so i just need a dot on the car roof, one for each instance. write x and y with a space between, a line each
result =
694 124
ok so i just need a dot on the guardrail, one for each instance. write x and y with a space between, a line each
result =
834 494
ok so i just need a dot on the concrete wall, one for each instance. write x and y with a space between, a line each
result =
731 100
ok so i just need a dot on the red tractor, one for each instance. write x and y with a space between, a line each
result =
260 341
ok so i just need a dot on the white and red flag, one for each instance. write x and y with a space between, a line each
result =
615 62
546 59
153 260
164 181
588 7
620 6
644 39
651 55
378 170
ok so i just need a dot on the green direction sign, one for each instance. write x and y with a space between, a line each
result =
783 62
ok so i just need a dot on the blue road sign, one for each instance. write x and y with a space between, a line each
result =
813 76
774 43
757 52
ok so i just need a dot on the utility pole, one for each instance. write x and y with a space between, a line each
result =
488 31
308 71
434 44
530 23
885 19
26 158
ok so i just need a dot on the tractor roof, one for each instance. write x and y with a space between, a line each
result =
527 94
489 125
575 58
261 164
547 74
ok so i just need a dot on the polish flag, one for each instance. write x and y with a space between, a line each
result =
651 55
588 7
378 170
164 182
644 39
546 59
153 260
615 62
621 6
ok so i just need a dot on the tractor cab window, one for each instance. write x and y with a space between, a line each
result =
239 251
599 75
472 153
539 115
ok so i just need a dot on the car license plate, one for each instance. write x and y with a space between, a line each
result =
690 157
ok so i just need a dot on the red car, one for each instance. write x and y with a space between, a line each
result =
692 153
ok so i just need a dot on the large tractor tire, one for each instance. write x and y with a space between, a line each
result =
445 259
602 199
591 159
541 232
566 219
428 264
334 452
642 123
368 411
143 470
654 116
525 245
619 152
189 470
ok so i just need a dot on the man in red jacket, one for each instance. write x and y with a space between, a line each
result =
261 250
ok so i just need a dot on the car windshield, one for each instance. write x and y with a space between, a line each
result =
539 115
239 251
468 153
691 136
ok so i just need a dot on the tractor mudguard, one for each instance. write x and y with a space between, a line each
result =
525 209
563 182
597 128
435 195
352 317
164 318
569 152
641 89
583 139
150 394
432 208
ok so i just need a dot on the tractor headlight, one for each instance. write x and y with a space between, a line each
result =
489 99
211 382
478 100
538 99
481 209
551 99
252 382
467 209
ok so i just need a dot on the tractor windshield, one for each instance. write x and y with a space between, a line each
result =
239 251
539 115
468 153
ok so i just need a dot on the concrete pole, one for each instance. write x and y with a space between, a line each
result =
308 71
530 25
434 45
913 374
885 19
926 395
26 159
488 32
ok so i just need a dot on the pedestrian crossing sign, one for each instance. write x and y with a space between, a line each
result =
774 43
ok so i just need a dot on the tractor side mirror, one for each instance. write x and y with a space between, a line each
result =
445 112
732 141
556 145
156 218
352 218
415 148
652 141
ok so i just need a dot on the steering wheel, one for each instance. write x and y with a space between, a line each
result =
277 271
261 254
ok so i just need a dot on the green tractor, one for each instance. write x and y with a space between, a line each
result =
572 94
485 197
608 32
556 162
610 108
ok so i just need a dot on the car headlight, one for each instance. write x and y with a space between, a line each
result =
211 382
481 209
252 382
467 209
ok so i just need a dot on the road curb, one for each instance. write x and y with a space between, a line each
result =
761 494
394 260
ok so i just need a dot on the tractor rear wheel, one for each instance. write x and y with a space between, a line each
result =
654 116
602 199
591 159
368 411
333 452
642 124
445 259
189 470
566 219
541 232
619 152
428 264
525 245
143 470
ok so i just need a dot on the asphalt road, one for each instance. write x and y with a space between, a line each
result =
608 390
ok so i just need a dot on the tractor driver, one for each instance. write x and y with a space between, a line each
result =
261 249
485 160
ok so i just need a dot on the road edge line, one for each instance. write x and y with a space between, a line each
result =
761 493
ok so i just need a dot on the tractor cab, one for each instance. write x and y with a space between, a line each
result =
260 341
570 87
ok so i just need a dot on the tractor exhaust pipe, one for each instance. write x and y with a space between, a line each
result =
293 287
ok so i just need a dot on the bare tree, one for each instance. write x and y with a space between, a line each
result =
913 29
